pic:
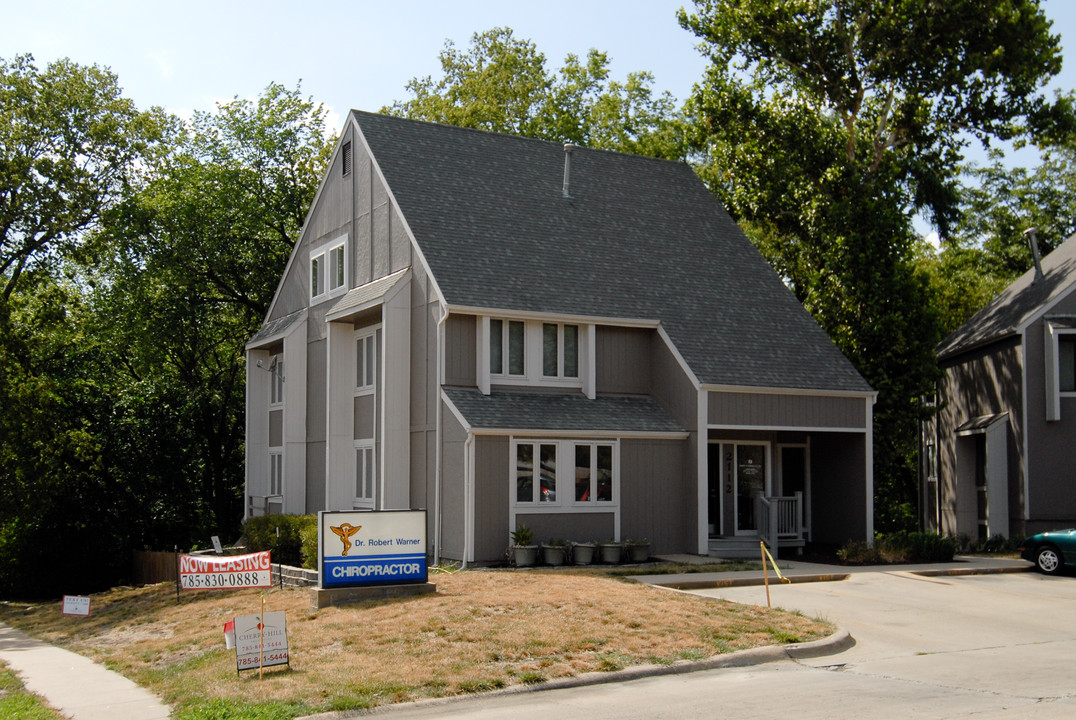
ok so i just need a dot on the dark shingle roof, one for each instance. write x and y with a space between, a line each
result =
1016 304
535 411
640 238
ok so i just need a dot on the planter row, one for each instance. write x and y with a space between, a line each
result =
580 553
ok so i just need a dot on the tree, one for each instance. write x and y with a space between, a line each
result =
185 270
69 142
828 126
501 84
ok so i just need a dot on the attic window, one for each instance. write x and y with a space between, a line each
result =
345 160
328 270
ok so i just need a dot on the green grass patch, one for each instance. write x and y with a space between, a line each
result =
227 709
16 702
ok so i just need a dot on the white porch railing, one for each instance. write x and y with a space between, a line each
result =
255 508
779 518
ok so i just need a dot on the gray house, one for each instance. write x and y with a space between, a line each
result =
999 457
503 330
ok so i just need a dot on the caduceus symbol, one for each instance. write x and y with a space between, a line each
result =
345 531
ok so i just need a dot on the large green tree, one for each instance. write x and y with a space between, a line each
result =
68 144
828 125
185 270
501 83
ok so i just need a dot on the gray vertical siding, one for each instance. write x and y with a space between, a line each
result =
787 411
452 498
573 527
492 470
979 384
461 347
623 359
1051 452
657 499
671 386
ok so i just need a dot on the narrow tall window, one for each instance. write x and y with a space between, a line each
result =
276 472
328 269
560 350
1066 360
507 346
317 275
365 474
276 380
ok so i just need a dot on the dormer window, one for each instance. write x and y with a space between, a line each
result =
328 270
560 350
507 348
535 352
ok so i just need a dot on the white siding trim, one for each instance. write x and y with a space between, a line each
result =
797 428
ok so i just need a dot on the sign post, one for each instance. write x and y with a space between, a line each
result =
76 605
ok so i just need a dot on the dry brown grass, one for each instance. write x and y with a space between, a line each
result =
481 630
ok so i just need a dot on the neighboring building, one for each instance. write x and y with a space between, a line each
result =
503 330
999 457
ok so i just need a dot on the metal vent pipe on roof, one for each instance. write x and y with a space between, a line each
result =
568 147
1033 241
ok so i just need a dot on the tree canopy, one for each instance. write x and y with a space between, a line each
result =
501 84
827 126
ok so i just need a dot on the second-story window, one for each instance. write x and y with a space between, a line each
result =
560 350
507 347
328 270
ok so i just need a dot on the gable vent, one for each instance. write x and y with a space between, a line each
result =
346 158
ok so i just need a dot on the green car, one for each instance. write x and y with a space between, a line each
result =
1050 550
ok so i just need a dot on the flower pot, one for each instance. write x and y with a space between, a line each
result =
639 552
583 553
525 555
553 554
610 552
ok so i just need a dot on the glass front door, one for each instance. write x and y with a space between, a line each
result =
750 472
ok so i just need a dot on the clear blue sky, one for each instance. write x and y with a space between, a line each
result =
359 54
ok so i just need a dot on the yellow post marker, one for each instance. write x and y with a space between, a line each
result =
765 571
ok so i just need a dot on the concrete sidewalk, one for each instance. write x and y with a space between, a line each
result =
799 572
76 686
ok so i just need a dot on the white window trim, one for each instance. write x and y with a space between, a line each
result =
276 381
366 335
533 366
362 502
564 501
323 253
276 462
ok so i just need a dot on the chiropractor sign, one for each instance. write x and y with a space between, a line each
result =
371 548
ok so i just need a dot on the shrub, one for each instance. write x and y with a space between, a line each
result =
900 547
289 538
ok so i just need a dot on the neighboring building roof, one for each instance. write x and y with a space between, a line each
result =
538 411
639 238
1015 305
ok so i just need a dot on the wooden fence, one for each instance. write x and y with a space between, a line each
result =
149 567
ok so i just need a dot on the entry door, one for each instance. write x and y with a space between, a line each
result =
751 478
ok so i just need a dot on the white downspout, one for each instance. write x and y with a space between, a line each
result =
468 506
437 431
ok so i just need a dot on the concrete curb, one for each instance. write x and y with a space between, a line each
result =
744 581
836 643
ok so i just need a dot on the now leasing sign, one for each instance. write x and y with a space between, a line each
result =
200 572
371 548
